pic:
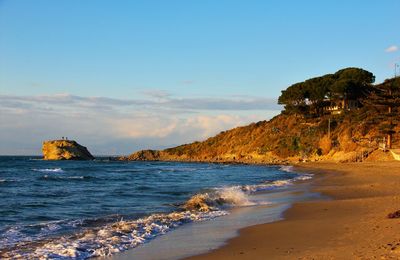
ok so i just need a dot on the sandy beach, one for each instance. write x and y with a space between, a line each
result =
353 224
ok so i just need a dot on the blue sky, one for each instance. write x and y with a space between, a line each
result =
124 75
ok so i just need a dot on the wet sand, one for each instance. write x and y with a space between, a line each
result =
353 224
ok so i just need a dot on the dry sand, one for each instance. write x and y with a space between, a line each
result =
351 225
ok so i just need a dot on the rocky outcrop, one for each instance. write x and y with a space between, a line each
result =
144 155
65 150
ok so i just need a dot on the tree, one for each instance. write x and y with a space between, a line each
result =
350 83
294 98
313 95
317 89
385 98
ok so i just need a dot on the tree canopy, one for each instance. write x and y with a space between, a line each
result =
312 95
385 99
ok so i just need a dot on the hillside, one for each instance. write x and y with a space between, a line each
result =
340 117
285 138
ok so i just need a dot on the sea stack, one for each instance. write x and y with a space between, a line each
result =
65 150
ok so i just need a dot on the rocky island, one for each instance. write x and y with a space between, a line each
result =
65 150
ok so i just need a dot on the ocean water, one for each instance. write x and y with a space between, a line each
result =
82 209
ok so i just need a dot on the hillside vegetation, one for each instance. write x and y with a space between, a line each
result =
318 128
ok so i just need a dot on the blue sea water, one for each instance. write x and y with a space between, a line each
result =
81 209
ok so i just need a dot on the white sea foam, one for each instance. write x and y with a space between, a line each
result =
51 177
11 236
8 180
218 198
304 177
276 184
234 196
266 186
286 168
122 235
49 170
112 238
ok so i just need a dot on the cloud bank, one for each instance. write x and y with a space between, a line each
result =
119 126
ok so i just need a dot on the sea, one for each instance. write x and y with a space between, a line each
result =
100 208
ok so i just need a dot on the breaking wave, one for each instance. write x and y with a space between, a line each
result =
123 235
271 185
108 239
49 170
111 236
217 199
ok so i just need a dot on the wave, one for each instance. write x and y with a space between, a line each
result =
49 170
109 238
13 235
271 185
122 235
61 178
6 181
286 168
304 177
219 197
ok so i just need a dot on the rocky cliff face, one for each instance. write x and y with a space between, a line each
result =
65 150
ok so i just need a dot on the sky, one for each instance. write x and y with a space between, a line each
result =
119 76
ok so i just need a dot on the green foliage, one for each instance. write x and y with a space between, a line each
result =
352 83
313 95
295 143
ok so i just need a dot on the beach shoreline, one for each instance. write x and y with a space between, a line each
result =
353 224
201 237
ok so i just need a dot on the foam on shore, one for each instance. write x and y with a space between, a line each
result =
111 238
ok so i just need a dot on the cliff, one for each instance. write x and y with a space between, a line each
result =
65 150
284 139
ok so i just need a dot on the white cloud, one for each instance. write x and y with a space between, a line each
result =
210 125
157 100
139 126
392 48
120 126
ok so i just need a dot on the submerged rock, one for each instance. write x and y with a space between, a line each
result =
65 150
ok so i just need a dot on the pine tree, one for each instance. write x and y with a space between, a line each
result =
385 98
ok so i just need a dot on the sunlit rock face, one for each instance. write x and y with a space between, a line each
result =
65 150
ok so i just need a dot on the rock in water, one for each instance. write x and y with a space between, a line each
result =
65 150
